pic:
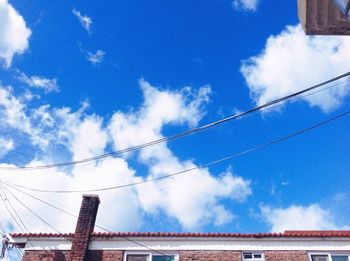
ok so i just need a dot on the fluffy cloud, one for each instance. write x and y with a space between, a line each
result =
247 5
292 61
84 20
79 135
14 33
13 111
6 145
38 82
90 138
183 197
95 58
15 115
105 173
188 200
295 217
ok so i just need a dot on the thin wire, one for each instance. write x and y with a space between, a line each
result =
31 211
75 216
138 243
261 146
179 135
19 253
246 116
4 232
51 171
326 88
4 201
2 228
13 208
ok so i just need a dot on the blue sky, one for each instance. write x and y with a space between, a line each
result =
78 79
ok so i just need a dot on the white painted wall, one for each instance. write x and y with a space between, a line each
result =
175 244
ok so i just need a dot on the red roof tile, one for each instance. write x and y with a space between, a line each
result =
288 233
317 233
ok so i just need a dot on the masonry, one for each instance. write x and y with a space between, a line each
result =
85 244
322 17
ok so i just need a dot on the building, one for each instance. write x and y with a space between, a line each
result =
324 17
85 244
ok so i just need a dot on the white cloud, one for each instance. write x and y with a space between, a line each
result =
14 33
6 145
13 111
105 173
14 114
295 217
47 85
84 135
292 61
90 138
84 20
183 197
247 5
95 58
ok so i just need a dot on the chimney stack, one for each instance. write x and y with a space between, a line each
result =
84 228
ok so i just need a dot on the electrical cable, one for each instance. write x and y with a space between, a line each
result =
4 232
13 208
246 116
261 146
52 171
31 211
19 217
181 134
2 228
99 226
4 201
19 253
201 166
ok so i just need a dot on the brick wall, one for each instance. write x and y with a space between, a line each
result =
286 256
117 255
236 256
105 255
322 17
84 228
45 255
210 255
59 255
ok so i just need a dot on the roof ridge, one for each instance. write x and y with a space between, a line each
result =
287 233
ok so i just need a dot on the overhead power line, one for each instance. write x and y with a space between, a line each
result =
5 201
30 210
181 134
76 217
261 146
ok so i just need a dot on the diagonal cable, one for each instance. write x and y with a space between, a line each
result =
182 134
258 147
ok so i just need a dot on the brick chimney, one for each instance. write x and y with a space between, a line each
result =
85 226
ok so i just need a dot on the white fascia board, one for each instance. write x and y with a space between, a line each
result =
222 244
177 244
44 243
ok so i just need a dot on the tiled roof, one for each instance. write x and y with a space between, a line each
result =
288 233
317 233
52 235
